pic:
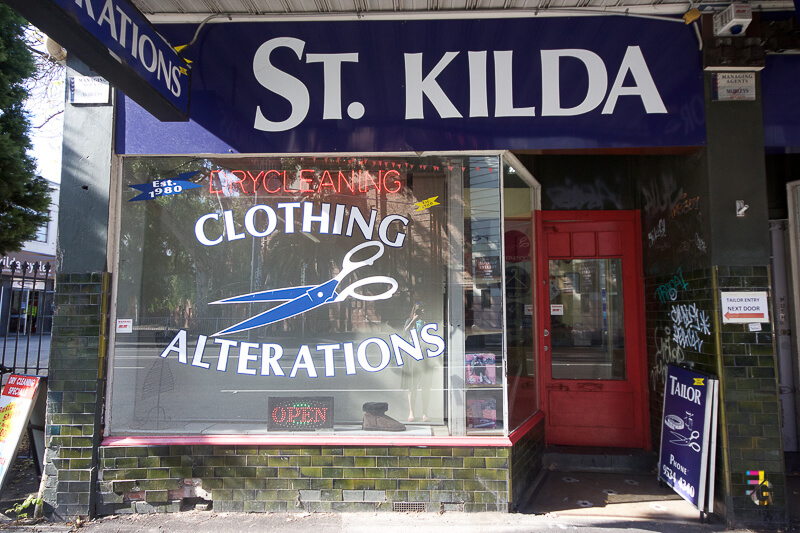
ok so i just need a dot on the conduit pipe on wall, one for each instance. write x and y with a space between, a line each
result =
781 319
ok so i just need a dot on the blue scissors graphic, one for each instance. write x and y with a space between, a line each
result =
302 299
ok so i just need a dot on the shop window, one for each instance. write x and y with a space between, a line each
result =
348 295
519 205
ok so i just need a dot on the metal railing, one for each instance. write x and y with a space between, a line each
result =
26 317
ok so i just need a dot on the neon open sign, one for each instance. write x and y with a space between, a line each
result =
300 413
303 181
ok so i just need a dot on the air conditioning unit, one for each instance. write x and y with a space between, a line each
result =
734 20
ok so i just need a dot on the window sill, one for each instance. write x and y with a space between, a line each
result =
306 439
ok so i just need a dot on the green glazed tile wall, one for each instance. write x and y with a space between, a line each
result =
314 478
749 418
72 421
526 464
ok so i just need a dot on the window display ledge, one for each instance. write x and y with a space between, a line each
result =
294 439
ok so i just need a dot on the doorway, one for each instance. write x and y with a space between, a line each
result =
593 361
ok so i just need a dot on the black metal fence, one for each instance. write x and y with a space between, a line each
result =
26 319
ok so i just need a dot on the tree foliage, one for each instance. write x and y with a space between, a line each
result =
24 197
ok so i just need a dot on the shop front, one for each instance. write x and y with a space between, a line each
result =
385 264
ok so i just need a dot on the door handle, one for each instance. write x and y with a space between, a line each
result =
590 387
546 333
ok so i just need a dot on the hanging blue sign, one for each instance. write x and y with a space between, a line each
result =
116 40
389 86
688 430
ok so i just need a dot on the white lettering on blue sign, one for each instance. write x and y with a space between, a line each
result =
421 85
684 391
116 27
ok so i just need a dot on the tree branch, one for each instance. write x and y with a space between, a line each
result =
54 115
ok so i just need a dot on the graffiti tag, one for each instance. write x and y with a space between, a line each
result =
658 232
685 205
584 196
689 323
669 291
667 352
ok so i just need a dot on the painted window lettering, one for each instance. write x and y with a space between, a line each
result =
372 354
211 233
421 84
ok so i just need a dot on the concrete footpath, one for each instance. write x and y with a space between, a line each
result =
388 522
566 501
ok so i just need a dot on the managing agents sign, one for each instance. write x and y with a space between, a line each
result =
435 85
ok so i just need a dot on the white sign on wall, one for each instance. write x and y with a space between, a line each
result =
89 90
744 307
730 86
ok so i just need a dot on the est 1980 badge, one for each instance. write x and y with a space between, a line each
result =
158 188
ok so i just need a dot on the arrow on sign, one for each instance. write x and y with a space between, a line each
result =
730 315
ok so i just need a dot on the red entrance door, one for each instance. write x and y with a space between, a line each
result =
593 362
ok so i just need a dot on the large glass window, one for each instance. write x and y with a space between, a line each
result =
309 293
520 289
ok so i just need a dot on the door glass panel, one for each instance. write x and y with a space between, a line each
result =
586 319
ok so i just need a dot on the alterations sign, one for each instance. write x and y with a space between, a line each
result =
744 307
688 436
113 38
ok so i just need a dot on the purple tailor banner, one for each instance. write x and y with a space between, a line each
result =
387 86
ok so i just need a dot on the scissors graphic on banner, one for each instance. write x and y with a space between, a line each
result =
302 299
682 440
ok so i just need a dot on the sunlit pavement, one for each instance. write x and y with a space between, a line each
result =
13 350
608 495
566 502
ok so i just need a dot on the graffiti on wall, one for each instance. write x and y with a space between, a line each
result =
689 325
673 218
659 232
669 291
668 352
660 195
693 244
596 195
685 205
